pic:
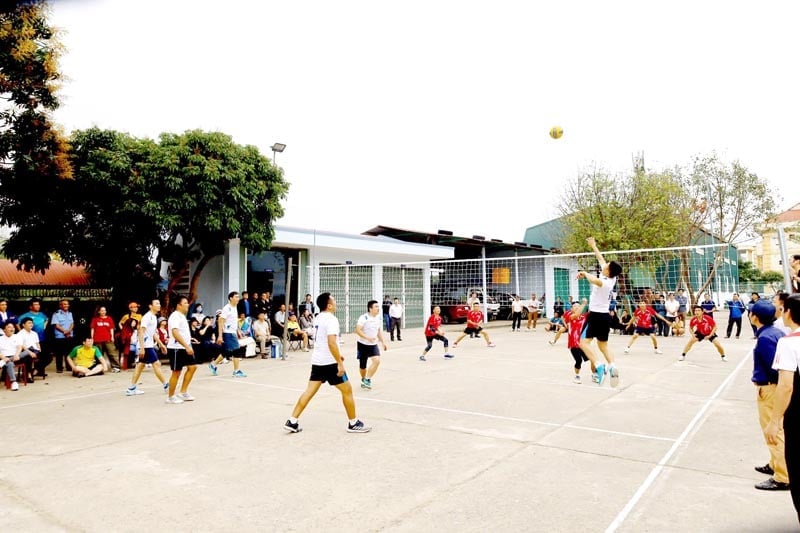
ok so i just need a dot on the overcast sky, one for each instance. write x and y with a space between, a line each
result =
434 114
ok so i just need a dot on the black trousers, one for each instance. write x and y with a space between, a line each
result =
731 322
791 431
395 325
516 320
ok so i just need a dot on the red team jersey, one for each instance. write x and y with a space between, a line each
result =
433 325
644 317
575 326
474 319
705 324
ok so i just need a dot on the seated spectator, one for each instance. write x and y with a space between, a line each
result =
10 348
245 325
31 353
279 321
261 333
245 334
296 332
86 360
197 312
204 339
307 323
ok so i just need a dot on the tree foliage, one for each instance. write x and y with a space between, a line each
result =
33 152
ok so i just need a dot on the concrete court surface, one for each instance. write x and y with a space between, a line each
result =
496 439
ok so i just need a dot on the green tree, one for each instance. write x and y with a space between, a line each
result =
33 152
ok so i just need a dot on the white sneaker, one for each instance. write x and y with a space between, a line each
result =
186 397
14 386
627 349
174 399
576 380
682 358
724 359
658 351
133 392
491 345
614 374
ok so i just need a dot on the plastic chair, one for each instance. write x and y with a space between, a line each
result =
22 371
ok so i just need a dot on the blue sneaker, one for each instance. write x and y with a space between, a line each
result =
239 374
601 374
212 368
166 386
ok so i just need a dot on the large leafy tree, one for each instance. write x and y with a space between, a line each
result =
33 152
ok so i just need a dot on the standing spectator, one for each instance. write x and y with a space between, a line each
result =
473 297
261 333
516 313
133 312
795 274
786 403
395 318
180 353
255 305
765 378
259 306
327 365
736 309
683 307
387 303
754 297
533 311
671 310
7 317
128 341
662 325
308 304
102 332
244 304
63 325
708 305
558 305
279 321
10 348
266 304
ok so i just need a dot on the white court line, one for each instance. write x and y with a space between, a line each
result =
656 471
484 415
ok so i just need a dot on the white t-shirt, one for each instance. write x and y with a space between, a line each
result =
370 326
787 354
325 324
672 307
600 298
516 306
28 338
396 311
8 345
150 324
231 318
177 320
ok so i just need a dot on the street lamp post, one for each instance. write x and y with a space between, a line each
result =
277 147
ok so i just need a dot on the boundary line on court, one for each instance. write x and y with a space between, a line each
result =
656 471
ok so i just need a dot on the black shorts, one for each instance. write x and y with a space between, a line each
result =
597 326
644 331
178 358
327 373
699 336
364 352
473 331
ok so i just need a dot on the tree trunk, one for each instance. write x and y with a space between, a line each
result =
196 276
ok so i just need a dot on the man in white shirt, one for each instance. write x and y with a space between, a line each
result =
31 348
279 320
261 333
368 330
327 364
228 324
786 402
148 349
180 352
395 317
10 348
598 323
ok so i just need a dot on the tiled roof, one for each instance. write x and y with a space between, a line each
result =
58 275
790 215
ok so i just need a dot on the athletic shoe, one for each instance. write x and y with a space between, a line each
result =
576 380
422 358
551 343
239 374
166 387
226 361
448 356
186 397
627 349
659 351
358 427
292 428
682 358
724 359
115 370
771 484
594 377
766 469
614 373
173 399
148 366
133 391
212 368
491 345
600 372
14 385
366 384
455 344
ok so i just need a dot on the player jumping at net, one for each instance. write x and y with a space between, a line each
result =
598 323
575 319
433 331
474 320
703 327
643 321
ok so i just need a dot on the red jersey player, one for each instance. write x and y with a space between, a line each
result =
474 319
643 324
575 320
433 331
703 327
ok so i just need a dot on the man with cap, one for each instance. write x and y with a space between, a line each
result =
765 378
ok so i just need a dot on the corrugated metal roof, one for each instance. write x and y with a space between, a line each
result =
58 275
